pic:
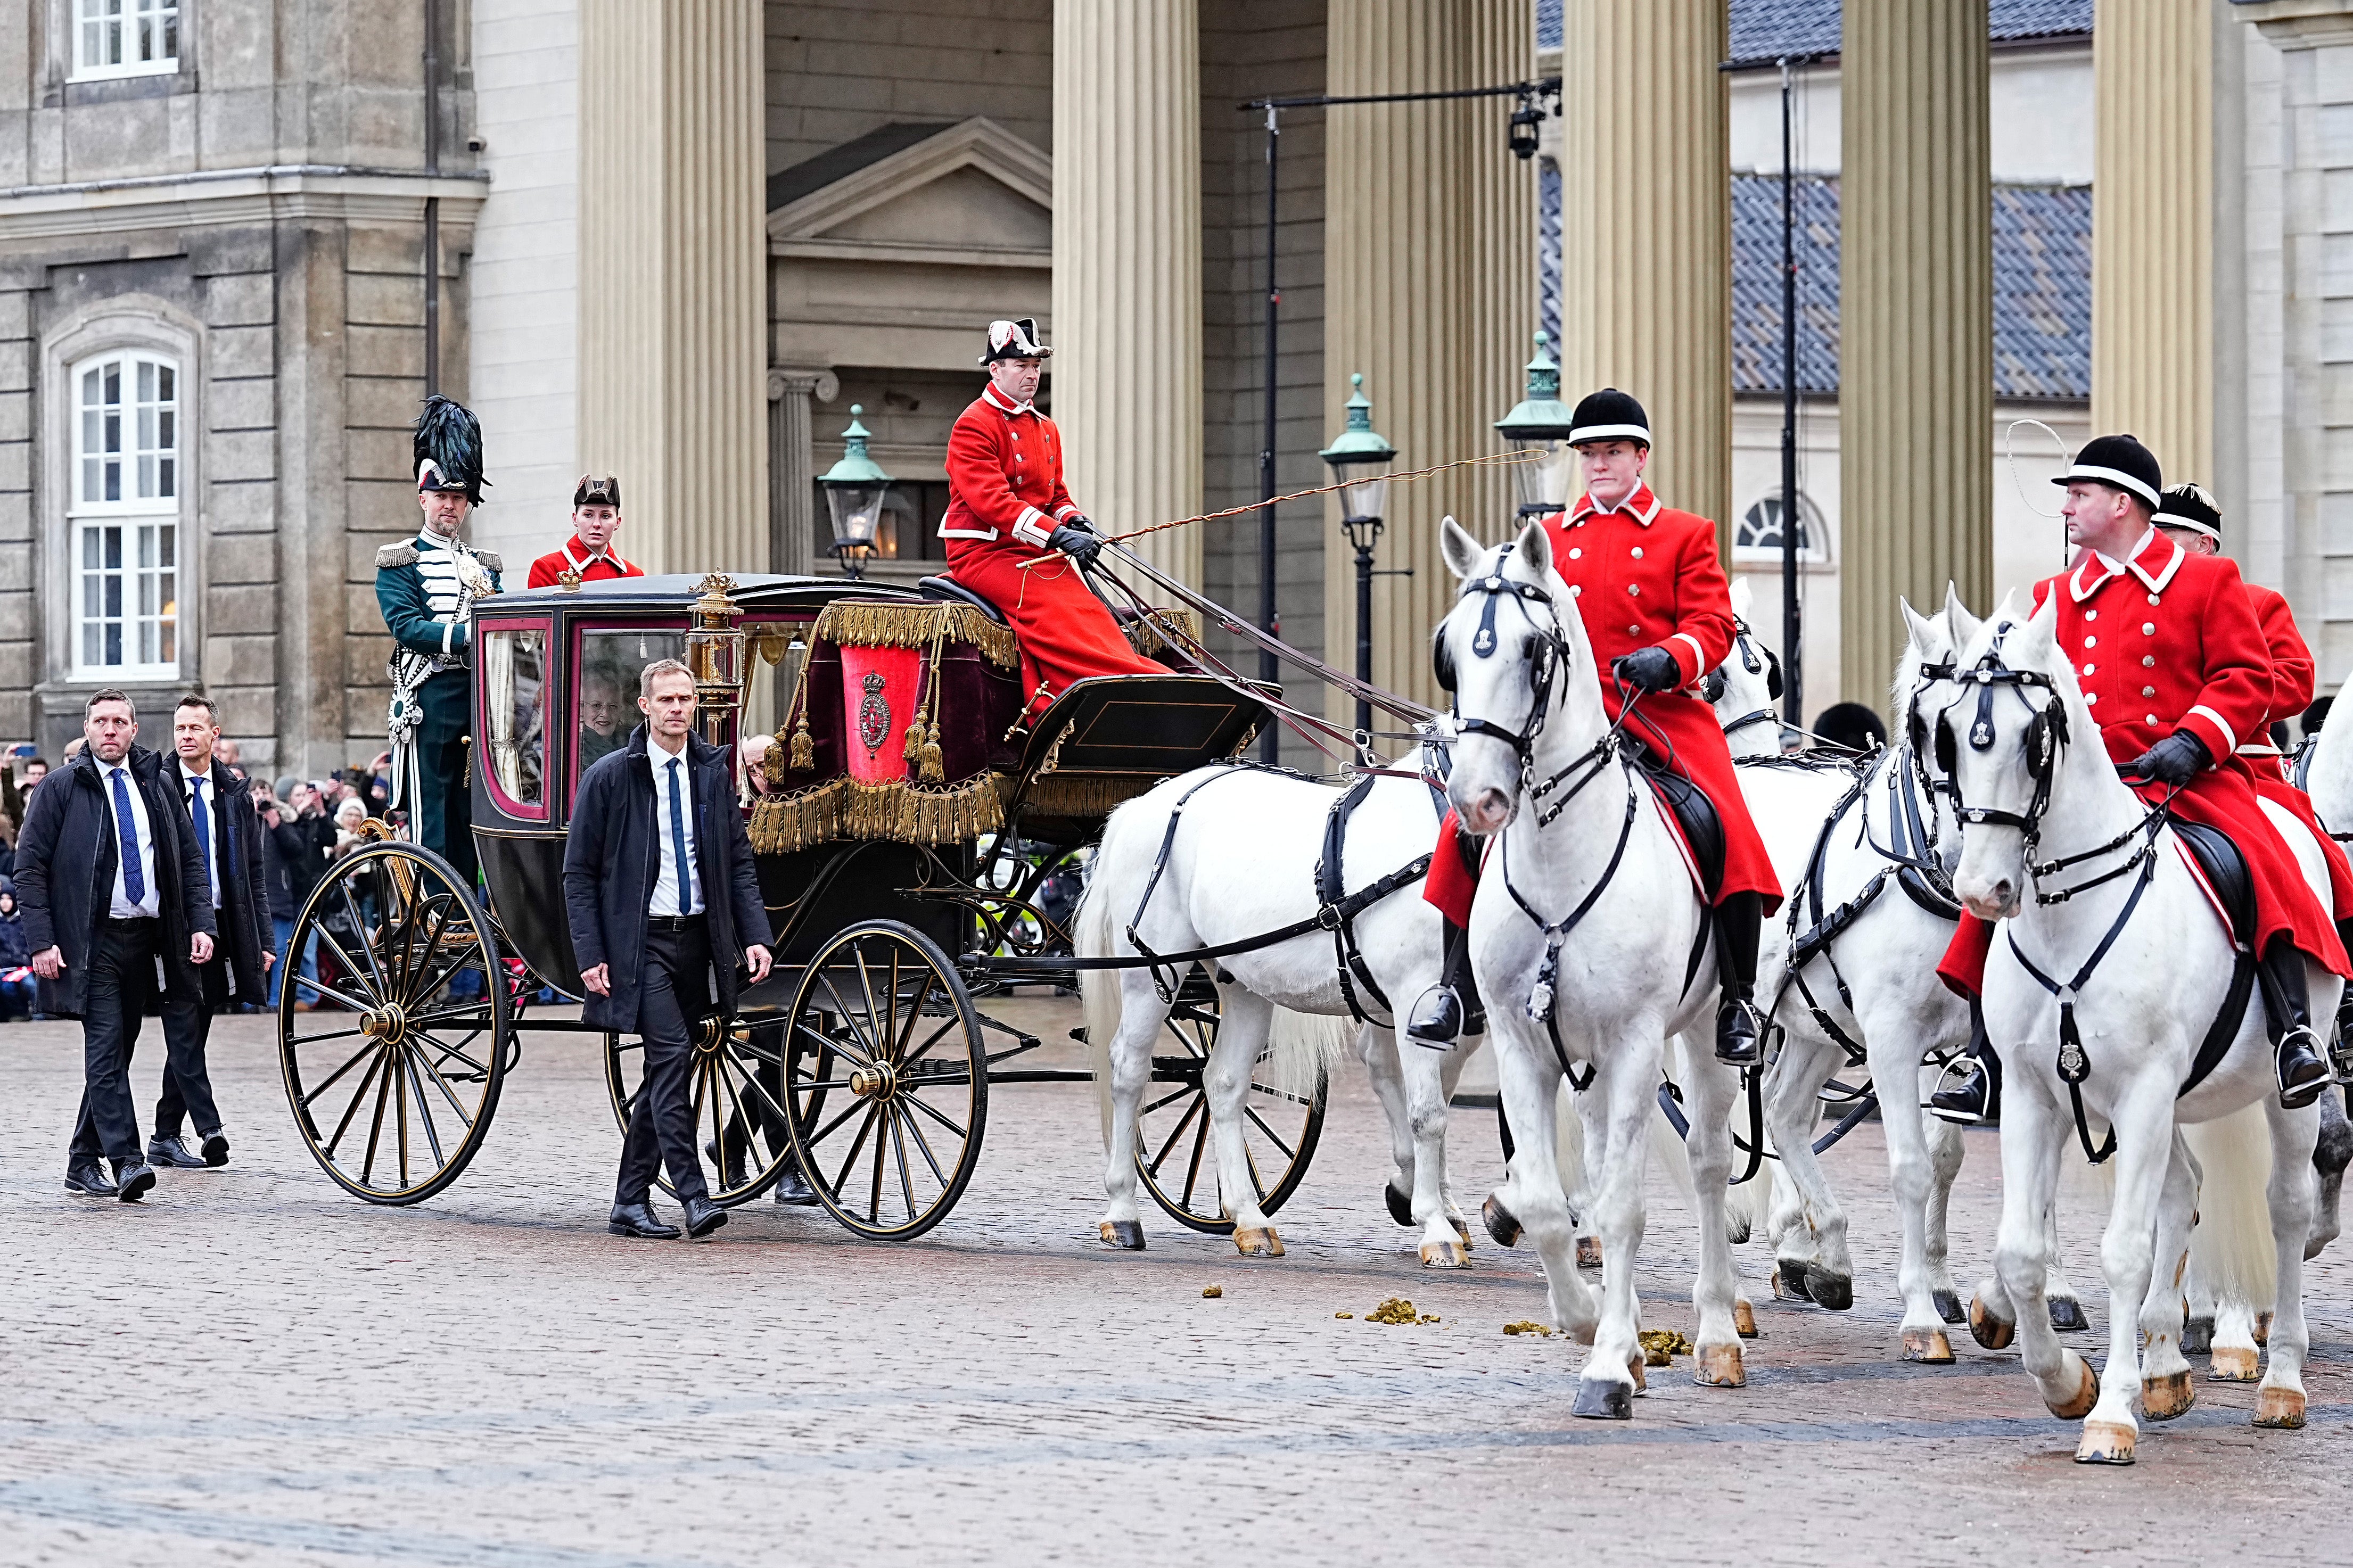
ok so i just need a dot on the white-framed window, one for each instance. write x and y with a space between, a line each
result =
1758 537
125 519
125 37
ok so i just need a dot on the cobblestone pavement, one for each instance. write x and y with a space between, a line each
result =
252 1368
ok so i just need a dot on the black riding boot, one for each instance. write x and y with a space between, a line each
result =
1449 1008
2287 1007
1737 921
1977 1097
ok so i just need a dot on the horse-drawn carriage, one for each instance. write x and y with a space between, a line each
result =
906 822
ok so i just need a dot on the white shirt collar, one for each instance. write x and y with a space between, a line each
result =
608 554
2155 559
988 393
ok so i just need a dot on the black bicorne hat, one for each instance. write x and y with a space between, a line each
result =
2190 506
2121 463
449 448
597 490
1015 340
1609 414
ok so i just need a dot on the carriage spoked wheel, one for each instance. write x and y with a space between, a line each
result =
1176 1154
888 1077
394 1074
735 1088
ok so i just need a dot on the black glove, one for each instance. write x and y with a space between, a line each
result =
1648 669
2176 760
1076 539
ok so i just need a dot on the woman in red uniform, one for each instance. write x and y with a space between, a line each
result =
1658 612
1017 538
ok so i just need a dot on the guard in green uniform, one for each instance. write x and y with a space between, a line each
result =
426 587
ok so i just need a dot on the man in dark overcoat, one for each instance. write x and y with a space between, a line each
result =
661 895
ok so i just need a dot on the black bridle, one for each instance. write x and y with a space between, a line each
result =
1755 658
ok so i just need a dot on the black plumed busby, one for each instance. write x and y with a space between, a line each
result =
2192 507
1015 340
1609 414
2121 463
449 448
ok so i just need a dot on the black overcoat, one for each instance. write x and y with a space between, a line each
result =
243 918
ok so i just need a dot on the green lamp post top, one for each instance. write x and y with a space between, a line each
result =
855 467
1541 415
1359 443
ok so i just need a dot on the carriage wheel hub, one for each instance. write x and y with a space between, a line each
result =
383 1023
876 1082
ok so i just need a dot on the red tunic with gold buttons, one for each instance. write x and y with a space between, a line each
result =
1646 576
2292 688
548 568
2164 642
1005 497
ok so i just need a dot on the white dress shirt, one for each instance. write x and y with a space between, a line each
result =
121 907
205 783
672 773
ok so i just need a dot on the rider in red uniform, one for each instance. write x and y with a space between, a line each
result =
1017 538
1648 582
2177 671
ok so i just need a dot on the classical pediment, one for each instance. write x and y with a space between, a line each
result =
969 194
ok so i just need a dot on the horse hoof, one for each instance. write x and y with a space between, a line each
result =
2280 1407
2163 1398
1834 1292
1401 1204
2104 1443
2198 1336
2067 1314
1599 1400
1719 1366
1501 1223
1253 1242
1928 1346
1443 1255
2263 1327
1589 1252
1744 1319
2087 1394
1948 1306
2233 1364
1790 1280
1987 1329
1127 1234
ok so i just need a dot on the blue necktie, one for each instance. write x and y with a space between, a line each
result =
204 826
126 832
678 845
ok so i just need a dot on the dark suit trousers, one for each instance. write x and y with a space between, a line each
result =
673 997
187 1087
444 813
116 991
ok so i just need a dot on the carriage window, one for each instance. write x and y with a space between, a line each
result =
514 681
605 699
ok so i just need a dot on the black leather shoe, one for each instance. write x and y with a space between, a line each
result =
133 1179
2303 1073
640 1220
1436 1019
793 1188
703 1217
88 1176
1736 1043
1965 1102
171 1154
216 1149
731 1171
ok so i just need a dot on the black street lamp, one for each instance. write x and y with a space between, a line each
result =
1359 460
854 489
1539 426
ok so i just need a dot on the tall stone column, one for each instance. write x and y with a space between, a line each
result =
1916 345
2152 227
1429 291
673 257
1126 371
792 466
1647 236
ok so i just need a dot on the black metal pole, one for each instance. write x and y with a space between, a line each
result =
1793 667
1365 629
432 71
1269 619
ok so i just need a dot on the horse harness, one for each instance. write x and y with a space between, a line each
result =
1754 656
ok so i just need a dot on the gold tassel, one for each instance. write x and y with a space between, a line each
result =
804 745
933 764
913 750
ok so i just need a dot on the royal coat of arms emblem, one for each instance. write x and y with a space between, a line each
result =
873 715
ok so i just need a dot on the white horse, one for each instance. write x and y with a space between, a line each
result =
1584 935
1239 861
2033 778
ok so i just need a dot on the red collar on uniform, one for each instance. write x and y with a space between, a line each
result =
2154 559
582 566
988 395
1640 504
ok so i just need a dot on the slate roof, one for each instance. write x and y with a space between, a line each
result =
1765 30
2042 288
789 185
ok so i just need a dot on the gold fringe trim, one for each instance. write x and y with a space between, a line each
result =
895 811
866 623
1148 635
1085 795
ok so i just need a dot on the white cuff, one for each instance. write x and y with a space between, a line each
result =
1067 511
1033 527
1699 654
447 628
2230 736
947 533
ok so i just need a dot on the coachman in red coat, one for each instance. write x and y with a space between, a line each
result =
2177 669
1017 538
1658 611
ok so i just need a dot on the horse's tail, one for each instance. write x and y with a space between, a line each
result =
1303 1046
2231 1249
1094 934
1568 1150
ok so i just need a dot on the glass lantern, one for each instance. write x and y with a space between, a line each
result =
855 488
1539 426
